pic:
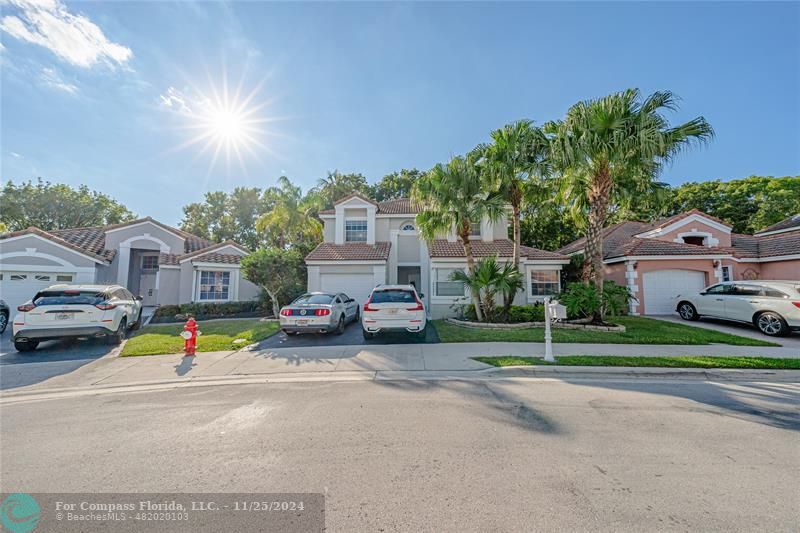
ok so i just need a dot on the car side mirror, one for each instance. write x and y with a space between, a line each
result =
422 295
139 297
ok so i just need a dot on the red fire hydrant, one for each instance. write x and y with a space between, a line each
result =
190 336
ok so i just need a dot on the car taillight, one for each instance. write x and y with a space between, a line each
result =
105 306
419 306
286 312
367 308
796 304
322 312
26 307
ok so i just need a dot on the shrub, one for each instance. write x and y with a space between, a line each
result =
178 313
583 301
517 313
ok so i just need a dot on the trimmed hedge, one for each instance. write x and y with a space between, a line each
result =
178 313
518 313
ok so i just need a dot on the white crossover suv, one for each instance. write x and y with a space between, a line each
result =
393 308
772 306
76 311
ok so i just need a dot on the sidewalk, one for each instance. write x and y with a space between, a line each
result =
362 360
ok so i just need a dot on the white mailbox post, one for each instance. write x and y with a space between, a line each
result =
552 311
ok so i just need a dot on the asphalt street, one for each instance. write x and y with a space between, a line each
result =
504 455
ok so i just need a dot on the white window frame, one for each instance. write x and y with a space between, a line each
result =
408 223
478 235
200 286
436 282
365 230
532 283
141 264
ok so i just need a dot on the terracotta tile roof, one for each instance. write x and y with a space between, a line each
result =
500 248
669 220
398 206
351 251
638 246
210 248
169 259
355 195
103 255
781 244
89 239
744 245
613 237
213 257
791 222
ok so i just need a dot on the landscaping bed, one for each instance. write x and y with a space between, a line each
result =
167 314
689 361
523 325
218 335
638 330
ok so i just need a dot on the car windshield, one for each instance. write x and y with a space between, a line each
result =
68 297
314 299
393 296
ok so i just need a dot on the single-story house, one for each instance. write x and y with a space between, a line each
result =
367 243
164 265
690 251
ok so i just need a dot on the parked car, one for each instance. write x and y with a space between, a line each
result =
76 311
772 306
4 314
393 308
319 312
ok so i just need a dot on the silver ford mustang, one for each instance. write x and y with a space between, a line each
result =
319 312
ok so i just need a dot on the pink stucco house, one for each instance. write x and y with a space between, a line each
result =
690 251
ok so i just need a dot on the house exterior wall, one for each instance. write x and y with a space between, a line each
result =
784 270
116 237
10 248
329 229
169 286
699 228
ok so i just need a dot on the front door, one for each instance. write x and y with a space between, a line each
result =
409 275
147 279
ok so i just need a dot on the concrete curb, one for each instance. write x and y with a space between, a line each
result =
540 373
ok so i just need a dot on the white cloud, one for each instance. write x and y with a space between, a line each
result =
53 79
175 100
73 38
15 154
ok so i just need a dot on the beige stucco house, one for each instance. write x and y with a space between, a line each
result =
690 251
164 265
367 243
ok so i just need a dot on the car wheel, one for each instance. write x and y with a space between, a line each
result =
118 336
340 326
3 322
27 346
367 334
358 314
688 311
772 324
138 324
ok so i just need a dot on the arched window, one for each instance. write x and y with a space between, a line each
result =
408 226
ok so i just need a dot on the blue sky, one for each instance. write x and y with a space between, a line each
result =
105 94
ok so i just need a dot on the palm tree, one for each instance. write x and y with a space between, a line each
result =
614 147
451 196
483 282
518 155
289 221
509 282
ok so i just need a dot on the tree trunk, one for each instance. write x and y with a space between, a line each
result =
517 233
276 307
476 297
599 193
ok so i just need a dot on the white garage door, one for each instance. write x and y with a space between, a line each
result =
357 286
662 286
16 288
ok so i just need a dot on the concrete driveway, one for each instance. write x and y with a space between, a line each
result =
735 328
51 358
352 336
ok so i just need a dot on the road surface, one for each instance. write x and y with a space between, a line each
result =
513 455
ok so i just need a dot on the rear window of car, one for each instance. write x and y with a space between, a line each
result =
774 293
314 299
68 297
393 296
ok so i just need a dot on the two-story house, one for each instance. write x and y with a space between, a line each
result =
164 265
368 243
690 251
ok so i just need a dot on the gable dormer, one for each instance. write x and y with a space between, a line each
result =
355 219
146 234
692 227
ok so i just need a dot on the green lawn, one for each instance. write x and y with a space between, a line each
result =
639 331
689 361
217 335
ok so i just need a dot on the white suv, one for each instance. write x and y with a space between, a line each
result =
393 308
772 306
64 311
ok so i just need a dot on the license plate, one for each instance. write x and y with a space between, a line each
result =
63 316
392 311
302 322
